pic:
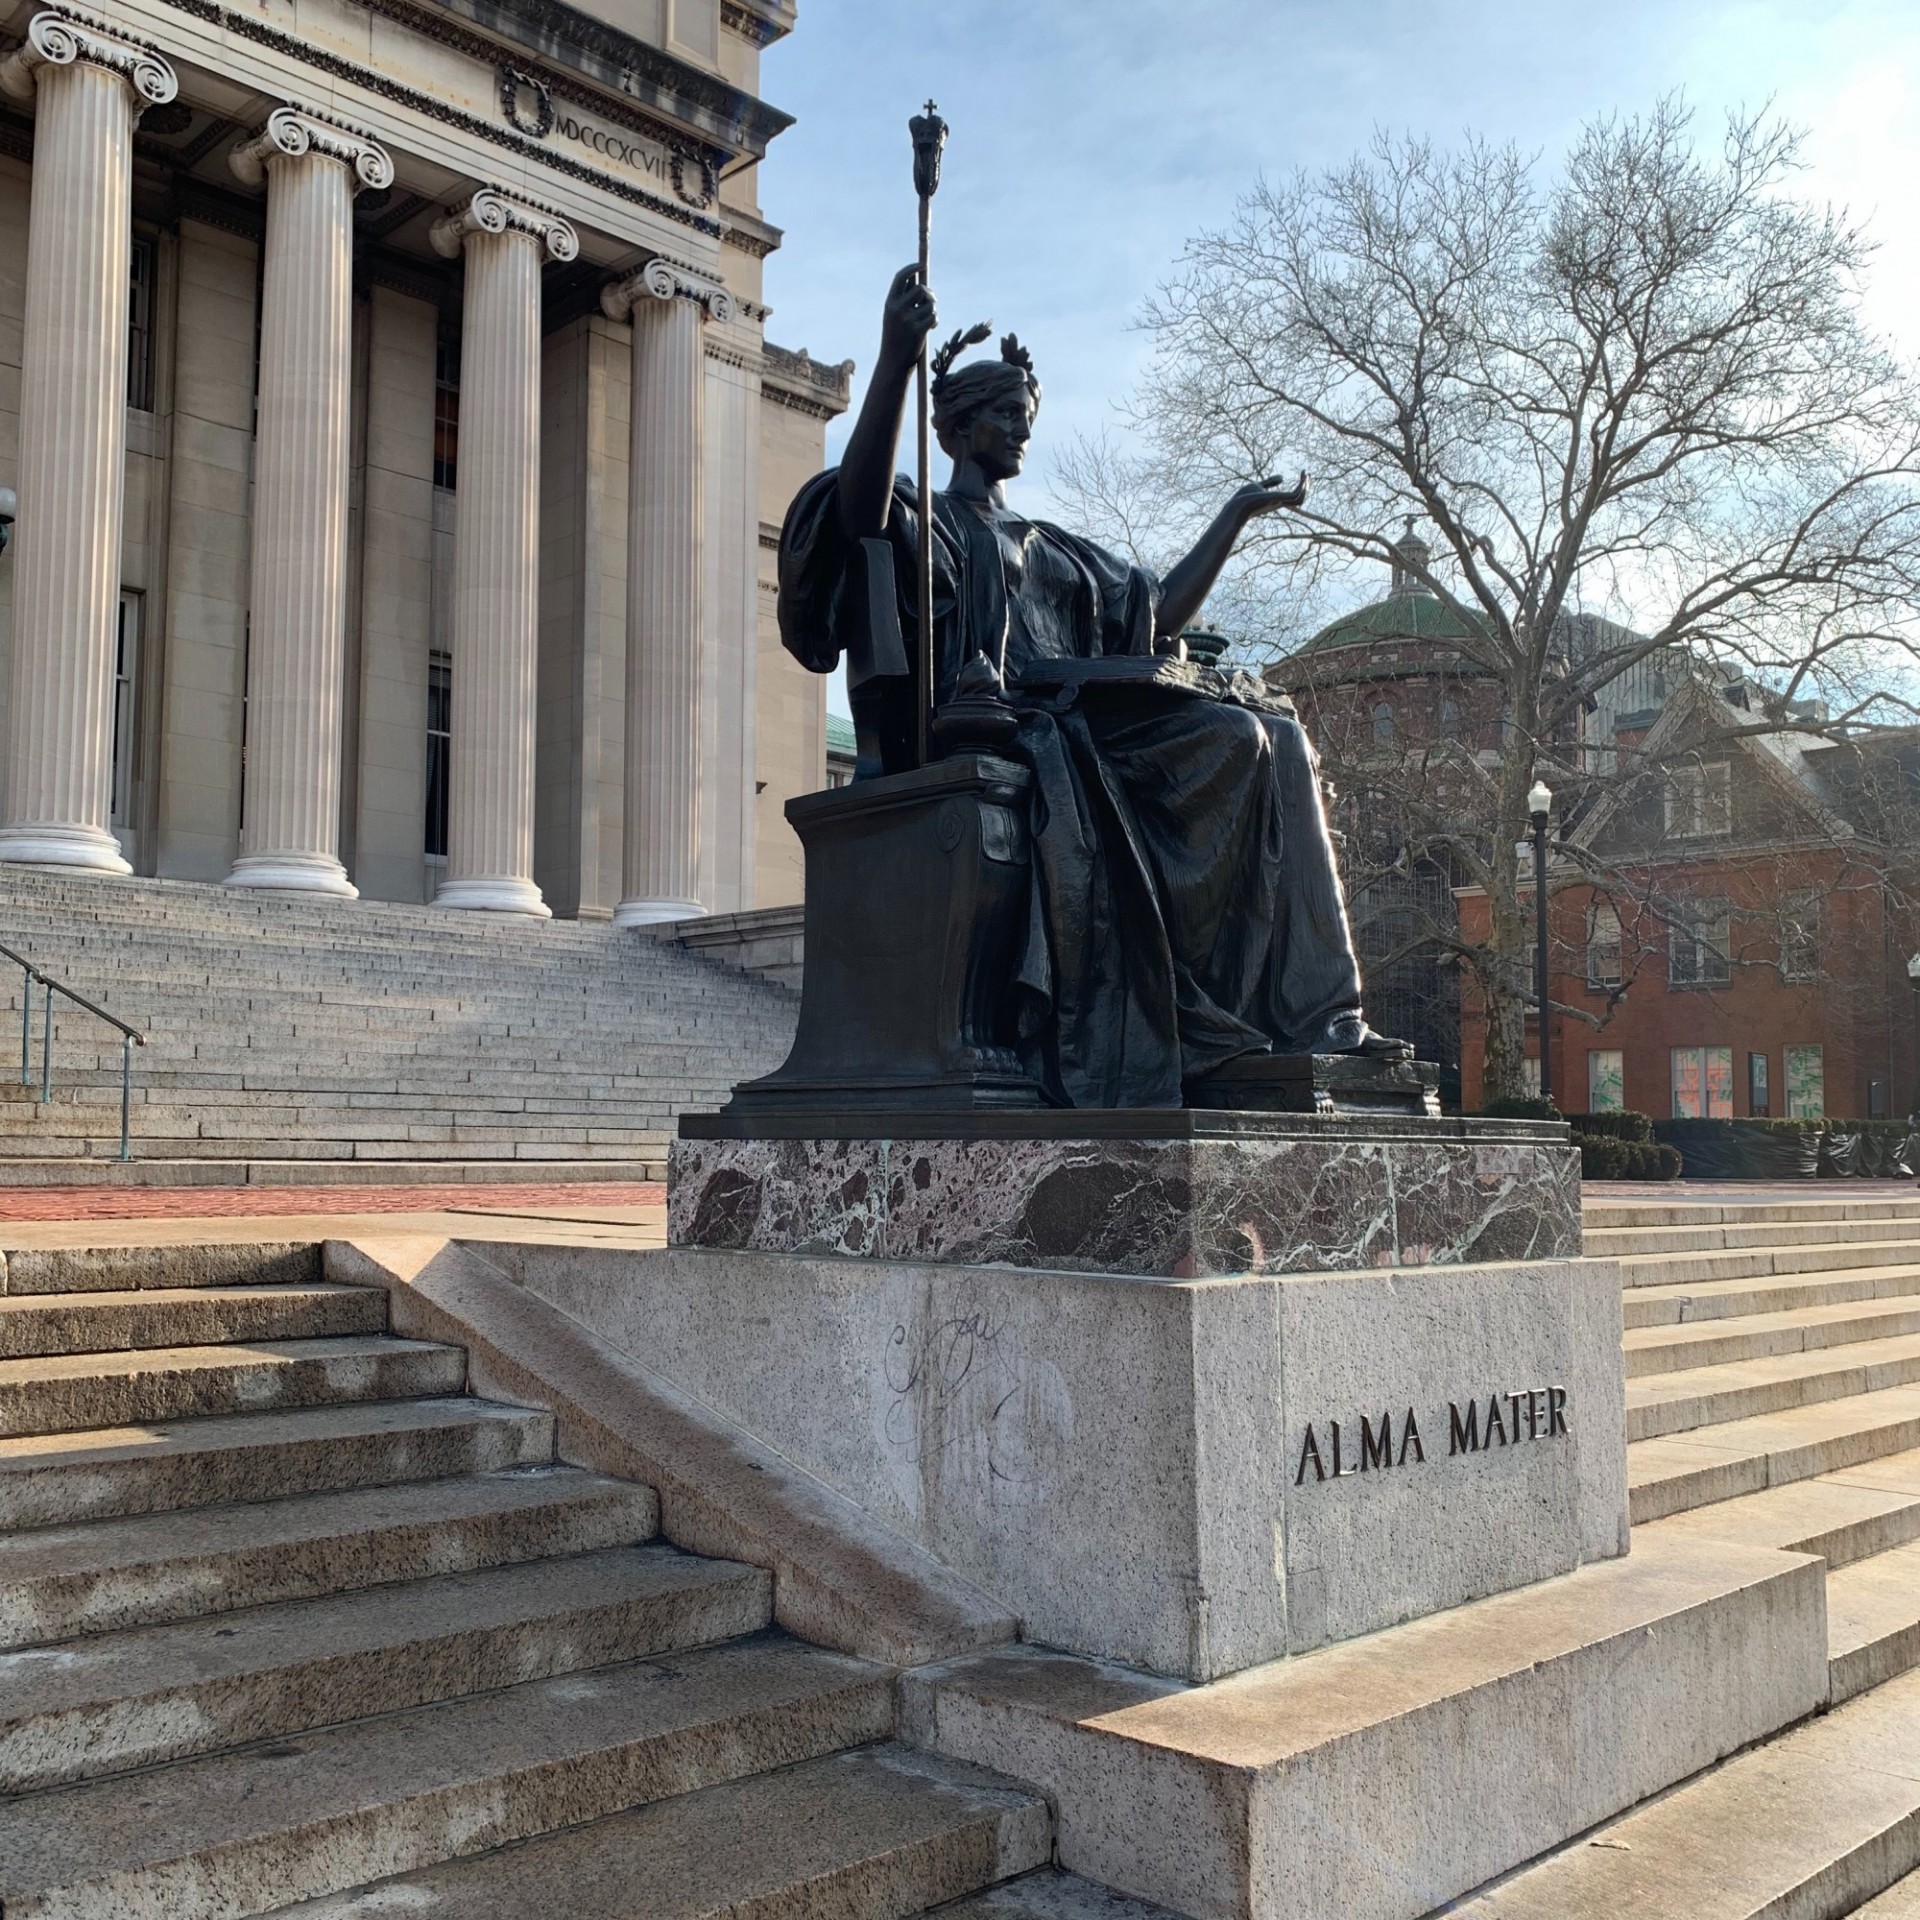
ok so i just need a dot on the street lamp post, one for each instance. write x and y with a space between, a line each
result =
1539 810
1913 980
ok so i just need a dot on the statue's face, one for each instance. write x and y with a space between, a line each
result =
998 434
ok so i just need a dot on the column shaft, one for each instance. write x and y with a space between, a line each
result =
297 624
666 573
73 429
496 553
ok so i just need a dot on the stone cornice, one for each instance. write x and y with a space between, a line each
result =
664 279
292 132
565 36
301 52
491 211
61 36
804 384
750 234
761 22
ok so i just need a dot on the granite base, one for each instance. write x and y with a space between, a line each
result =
1190 1477
1213 1194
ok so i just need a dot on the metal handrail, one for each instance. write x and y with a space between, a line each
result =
130 1037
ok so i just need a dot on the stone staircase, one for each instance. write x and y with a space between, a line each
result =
1773 1399
306 1040
285 1612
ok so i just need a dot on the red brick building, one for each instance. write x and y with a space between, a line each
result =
1729 934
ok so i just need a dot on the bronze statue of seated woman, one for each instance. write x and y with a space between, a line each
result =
1185 911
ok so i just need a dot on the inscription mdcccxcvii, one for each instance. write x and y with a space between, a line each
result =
1519 1417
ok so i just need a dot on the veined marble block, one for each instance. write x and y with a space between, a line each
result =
1226 1194
1187 1476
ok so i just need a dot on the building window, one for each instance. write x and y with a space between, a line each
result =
1876 1099
140 326
1702 1083
1383 723
126 658
1448 725
1700 801
1800 936
1759 1097
1806 1084
1699 944
1606 1080
439 749
1603 947
446 409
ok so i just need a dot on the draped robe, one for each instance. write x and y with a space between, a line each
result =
1185 905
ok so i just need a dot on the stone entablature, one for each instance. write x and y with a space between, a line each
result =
797 380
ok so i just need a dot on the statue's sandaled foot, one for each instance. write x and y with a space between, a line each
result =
1351 1034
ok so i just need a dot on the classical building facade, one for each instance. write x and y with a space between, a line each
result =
399 451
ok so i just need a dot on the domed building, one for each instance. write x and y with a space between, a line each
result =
1408 720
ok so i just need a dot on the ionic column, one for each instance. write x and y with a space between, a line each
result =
496 543
665 574
313 167
73 432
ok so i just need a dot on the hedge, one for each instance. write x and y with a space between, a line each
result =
1792 1149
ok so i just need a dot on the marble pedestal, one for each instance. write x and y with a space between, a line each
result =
1185 1194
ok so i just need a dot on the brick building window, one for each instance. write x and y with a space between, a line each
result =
1800 936
1603 947
1806 1084
1606 1080
1699 944
1700 801
1383 723
1702 1083
1447 726
1759 1098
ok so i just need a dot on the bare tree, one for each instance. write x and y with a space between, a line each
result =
1639 388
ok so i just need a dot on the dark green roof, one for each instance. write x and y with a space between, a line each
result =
840 735
1402 616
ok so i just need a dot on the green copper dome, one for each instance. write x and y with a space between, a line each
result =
1401 616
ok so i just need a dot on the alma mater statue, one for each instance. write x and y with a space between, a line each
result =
1186 910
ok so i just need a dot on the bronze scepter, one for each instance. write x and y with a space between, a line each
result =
929 133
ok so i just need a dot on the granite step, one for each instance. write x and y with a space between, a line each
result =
1618 1242
1684 1305
75 1323
132 1699
1765 1336
57 1583
1873 1620
1667 1403
875 1834
1830 1205
1844 1517
1677 1473
50 1480
265 1826
1901 1901
1049 1895
1752 1263
69 1392
1813 1823
280 1263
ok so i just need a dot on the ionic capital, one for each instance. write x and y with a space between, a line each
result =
293 131
59 38
664 279
491 211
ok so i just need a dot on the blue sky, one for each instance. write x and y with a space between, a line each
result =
1092 137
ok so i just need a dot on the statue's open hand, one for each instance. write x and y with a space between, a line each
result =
1267 496
909 316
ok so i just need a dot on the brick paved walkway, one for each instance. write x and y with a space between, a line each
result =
200 1203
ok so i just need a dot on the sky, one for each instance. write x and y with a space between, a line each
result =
1091 138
